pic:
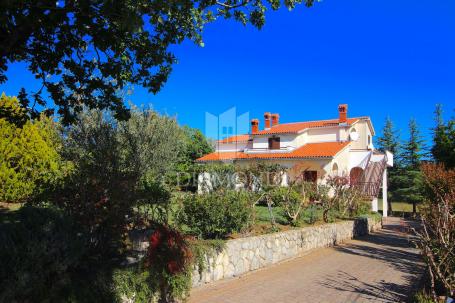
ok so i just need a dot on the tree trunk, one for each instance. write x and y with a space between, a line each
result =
414 209
325 216
389 206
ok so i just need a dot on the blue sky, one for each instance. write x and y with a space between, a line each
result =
383 58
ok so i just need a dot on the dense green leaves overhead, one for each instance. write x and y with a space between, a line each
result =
87 52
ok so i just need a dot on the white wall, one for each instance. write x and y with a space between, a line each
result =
364 131
261 142
316 135
342 160
231 146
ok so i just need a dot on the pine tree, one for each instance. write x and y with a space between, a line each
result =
408 180
412 150
443 149
390 141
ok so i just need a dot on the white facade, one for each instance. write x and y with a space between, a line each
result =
355 157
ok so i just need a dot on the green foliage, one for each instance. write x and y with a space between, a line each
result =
201 249
389 139
290 200
133 283
422 297
412 150
215 215
311 214
407 181
443 149
11 111
40 249
409 186
260 176
343 202
29 155
141 285
86 52
217 177
196 145
117 167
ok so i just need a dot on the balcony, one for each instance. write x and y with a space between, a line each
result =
285 149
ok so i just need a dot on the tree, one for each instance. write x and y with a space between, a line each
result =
443 149
409 181
87 52
29 155
390 141
412 150
196 145
117 167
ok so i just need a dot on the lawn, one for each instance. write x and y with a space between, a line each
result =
399 207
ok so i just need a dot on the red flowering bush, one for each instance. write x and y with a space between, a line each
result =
168 259
168 251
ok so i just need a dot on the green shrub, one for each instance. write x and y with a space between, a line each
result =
311 214
290 201
215 215
29 155
40 248
133 283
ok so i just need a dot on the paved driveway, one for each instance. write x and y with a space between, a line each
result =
382 267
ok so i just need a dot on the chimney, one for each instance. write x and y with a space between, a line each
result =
267 120
343 112
254 126
275 119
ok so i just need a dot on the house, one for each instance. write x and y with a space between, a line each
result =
341 146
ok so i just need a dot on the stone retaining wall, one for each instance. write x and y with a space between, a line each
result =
247 254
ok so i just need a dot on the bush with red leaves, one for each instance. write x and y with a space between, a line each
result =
168 251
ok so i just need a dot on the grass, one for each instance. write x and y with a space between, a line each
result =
401 207
9 207
262 224
263 215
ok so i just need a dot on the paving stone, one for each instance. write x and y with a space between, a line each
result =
381 267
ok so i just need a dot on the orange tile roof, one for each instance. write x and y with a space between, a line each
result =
310 150
288 128
234 139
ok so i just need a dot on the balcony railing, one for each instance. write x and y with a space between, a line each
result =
283 149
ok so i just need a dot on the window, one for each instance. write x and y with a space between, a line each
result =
369 139
335 169
227 131
310 176
274 143
355 175
353 136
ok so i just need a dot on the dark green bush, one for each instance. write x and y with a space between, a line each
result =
40 248
215 215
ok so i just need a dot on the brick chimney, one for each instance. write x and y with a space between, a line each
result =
254 126
267 120
343 112
275 119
